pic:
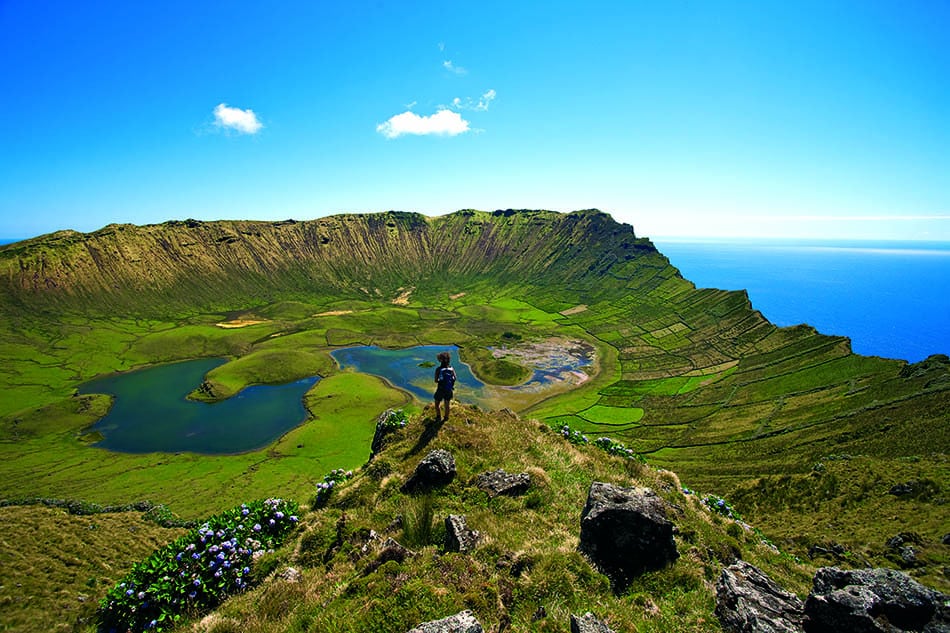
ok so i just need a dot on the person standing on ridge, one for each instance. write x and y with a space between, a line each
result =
445 379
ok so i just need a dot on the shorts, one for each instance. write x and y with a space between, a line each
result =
442 394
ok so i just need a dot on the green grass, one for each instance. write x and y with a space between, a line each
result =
611 415
268 367
54 566
527 557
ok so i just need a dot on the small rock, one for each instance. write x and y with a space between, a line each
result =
650 609
463 622
391 549
831 550
498 482
946 539
909 557
290 575
624 531
873 601
903 489
748 601
372 537
588 623
458 538
436 469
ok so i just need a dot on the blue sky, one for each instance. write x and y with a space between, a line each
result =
790 119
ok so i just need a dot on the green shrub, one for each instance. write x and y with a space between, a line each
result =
198 570
418 528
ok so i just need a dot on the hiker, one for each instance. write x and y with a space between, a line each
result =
445 379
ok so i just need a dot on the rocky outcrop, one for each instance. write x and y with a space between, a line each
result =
588 623
498 482
379 436
463 622
748 601
873 601
458 538
436 469
624 531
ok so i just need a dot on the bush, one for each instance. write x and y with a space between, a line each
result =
199 570
396 419
611 446
721 506
330 480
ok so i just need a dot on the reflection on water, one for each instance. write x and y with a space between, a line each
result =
151 414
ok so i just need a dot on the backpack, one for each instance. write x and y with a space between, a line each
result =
446 377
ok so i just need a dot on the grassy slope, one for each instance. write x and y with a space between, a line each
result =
54 566
526 572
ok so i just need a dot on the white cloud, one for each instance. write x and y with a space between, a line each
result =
443 122
470 104
242 121
487 98
449 66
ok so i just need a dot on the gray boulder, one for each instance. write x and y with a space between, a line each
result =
463 622
588 623
436 469
748 601
873 601
498 482
624 532
458 538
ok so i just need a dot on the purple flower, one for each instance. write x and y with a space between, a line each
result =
197 582
279 515
129 592
293 518
245 512
257 527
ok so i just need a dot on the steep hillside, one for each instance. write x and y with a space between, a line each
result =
152 270
832 454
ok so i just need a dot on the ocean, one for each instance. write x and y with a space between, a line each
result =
892 299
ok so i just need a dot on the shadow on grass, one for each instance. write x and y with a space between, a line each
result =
431 426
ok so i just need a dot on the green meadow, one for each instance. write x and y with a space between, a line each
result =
806 439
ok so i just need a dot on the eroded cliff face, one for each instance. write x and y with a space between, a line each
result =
201 264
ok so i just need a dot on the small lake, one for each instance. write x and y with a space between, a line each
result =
151 414
411 369
554 365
